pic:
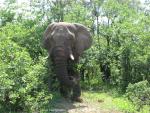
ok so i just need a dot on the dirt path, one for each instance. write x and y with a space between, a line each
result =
66 106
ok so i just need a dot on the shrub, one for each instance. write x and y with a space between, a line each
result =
139 93
6 15
27 37
21 82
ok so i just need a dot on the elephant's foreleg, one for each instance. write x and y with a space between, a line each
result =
65 91
73 73
76 88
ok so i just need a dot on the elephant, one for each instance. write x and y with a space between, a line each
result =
65 43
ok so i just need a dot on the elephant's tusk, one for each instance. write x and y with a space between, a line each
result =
71 56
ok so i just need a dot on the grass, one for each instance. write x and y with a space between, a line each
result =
110 101
106 101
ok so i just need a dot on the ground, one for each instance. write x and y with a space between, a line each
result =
94 102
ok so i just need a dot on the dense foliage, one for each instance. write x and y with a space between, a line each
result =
139 93
120 54
21 79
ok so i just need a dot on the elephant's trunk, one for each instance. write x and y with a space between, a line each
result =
60 65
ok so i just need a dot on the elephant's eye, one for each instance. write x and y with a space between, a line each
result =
52 39
70 37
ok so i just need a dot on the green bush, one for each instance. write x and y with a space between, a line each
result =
139 93
29 37
21 82
6 15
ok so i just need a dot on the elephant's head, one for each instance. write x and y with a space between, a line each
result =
65 41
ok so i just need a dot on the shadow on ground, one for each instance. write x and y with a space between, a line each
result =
59 104
93 102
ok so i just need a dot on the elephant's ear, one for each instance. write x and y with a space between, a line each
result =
83 38
47 36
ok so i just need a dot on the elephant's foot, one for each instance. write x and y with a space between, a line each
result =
77 99
65 96
65 92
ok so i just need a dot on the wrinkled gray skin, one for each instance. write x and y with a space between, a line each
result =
65 42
